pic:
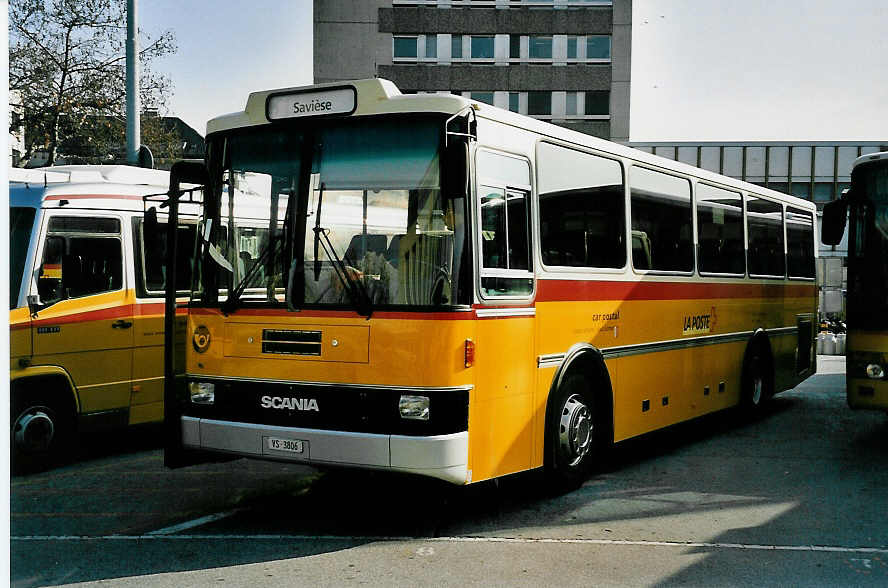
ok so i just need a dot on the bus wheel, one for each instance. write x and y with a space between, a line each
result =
756 381
40 433
571 433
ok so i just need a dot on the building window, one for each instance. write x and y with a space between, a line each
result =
514 101
571 47
456 46
598 47
823 191
404 48
482 47
431 46
540 47
801 190
570 104
597 103
539 103
514 46
486 97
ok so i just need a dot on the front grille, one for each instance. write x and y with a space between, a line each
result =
356 409
285 342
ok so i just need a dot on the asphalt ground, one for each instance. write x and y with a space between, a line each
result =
797 496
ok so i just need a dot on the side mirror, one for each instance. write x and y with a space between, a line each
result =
456 169
188 171
833 226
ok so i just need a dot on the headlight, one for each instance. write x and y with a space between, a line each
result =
414 407
201 339
202 392
874 371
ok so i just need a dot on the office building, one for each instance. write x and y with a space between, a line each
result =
564 61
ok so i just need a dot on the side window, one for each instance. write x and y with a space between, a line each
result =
81 256
719 231
661 221
799 243
152 272
505 225
582 209
764 225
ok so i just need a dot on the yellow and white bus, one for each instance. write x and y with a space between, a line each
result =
86 304
866 205
457 291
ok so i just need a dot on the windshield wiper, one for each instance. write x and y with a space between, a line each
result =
354 287
232 303
275 244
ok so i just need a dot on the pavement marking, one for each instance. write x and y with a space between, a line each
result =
194 523
155 535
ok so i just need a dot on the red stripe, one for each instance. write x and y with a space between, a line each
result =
122 311
95 196
275 312
578 290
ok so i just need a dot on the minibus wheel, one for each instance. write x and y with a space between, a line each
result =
571 433
40 433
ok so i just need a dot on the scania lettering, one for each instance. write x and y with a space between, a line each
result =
290 403
475 293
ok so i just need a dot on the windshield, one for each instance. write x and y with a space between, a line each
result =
346 215
868 248
21 221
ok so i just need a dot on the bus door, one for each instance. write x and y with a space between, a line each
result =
505 331
84 318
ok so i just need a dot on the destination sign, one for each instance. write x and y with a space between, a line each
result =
318 103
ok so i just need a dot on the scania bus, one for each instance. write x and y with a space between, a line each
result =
86 305
457 291
866 205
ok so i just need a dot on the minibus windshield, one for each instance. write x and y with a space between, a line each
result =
21 222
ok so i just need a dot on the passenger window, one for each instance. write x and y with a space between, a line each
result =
153 249
764 221
661 221
799 243
81 256
719 231
582 209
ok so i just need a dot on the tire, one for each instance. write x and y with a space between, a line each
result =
572 434
41 432
757 381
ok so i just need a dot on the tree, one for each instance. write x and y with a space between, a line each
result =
68 59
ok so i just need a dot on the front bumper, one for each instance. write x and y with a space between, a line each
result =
444 457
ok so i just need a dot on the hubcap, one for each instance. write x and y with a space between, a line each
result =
756 390
34 430
575 430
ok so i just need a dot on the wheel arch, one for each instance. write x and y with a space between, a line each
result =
589 361
760 341
56 377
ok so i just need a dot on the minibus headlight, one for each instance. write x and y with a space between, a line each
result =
201 339
414 407
874 371
202 393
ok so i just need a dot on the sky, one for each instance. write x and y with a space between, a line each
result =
702 70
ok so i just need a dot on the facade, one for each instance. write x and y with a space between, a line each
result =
563 61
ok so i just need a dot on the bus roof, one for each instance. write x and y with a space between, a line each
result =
379 96
883 155
117 187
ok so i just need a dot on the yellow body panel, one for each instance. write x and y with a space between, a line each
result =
864 348
507 411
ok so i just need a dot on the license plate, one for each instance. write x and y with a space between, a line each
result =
290 445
